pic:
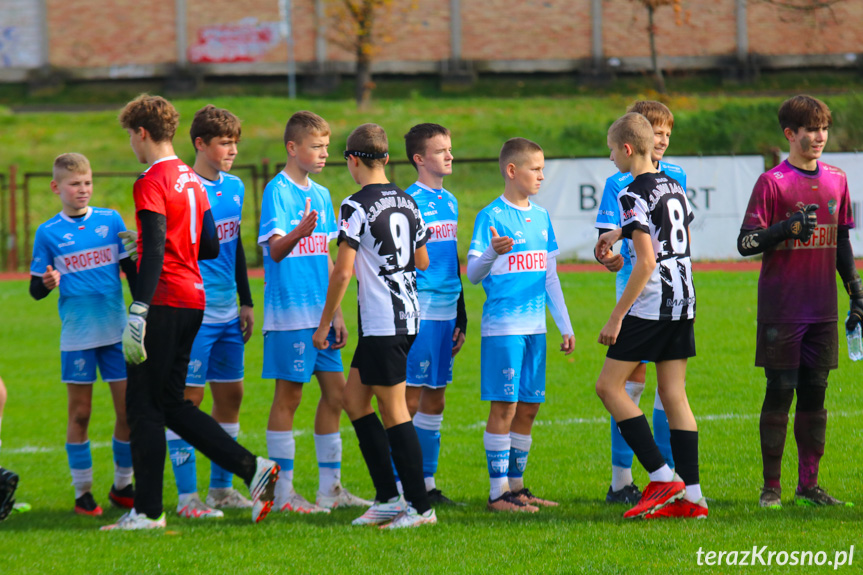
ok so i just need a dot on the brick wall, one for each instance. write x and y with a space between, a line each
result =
131 32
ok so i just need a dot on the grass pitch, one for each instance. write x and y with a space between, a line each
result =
569 462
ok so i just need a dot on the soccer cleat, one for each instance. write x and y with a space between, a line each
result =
656 495
191 507
263 488
509 502
771 498
681 508
86 505
131 521
298 504
227 498
816 496
380 513
8 485
122 498
21 507
627 494
525 496
410 518
340 497
437 498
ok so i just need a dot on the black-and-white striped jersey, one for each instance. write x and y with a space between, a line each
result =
384 225
656 204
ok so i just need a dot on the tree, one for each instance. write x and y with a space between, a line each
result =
652 6
353 28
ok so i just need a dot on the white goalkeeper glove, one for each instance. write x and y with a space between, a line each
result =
133 335
130 243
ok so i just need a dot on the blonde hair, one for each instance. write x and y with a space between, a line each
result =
153 113
304 123
70 163
514 151
633 129
656 113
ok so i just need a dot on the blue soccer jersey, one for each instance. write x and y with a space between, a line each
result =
87 253
439 286
608 217
515 287
220 284
296 288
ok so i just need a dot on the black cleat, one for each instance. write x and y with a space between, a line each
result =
437 498
8 485
628 494
122 498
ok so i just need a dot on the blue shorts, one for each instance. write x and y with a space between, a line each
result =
217 354
513 368
290 355
430 359
80 366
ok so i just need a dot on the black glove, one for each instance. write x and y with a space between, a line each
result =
801 225
855 316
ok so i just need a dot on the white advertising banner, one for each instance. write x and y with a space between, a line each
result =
718 188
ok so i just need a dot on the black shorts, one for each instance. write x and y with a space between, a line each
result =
382 359
653 340
785 346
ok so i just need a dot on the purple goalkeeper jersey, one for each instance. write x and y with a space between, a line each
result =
798 280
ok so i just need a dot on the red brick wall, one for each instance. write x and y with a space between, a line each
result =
128 32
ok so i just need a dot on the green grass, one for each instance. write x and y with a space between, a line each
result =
569 463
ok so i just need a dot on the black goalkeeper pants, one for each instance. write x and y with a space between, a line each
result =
154 400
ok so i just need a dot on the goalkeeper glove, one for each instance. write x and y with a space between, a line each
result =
130 243
801 225
133 335
855 316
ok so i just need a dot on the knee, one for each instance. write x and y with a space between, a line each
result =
79 415
604 390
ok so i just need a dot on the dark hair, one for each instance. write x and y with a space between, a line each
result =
804 111
153 113
416 140
372 139
212 122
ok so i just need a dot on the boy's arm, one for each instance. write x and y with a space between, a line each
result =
460 331
338 319
281 246
209 246
644 264
241 277
848 272
799 227
131 270
38 287
339 280
613 262
557 306
478 267
421 258
153 235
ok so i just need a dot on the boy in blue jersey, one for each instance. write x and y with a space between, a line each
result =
217 353
513 253
623 488
441 297
79 251
297 224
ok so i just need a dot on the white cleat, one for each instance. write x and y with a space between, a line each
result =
263 488
131 521
191 507
380 513
227 498
341 497
294 502
410 518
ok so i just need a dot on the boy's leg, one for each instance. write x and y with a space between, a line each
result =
227 398
773 428
671 380
122 493
622 488
281 446
328 439
810 432
80 405
428 421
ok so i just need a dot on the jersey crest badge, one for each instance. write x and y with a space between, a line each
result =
831 207
102 231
